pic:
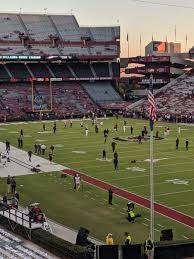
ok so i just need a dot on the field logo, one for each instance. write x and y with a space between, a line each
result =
178 181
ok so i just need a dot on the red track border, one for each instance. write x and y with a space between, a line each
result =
159 208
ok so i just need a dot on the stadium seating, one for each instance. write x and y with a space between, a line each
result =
104 33
39 27
102 92
110 50
3 72
11 27
60 70
15 99
13 247
39 70
13 50
67 27
18 71
75 51
39 30
68 98
44 51
178 98
82 70
101 69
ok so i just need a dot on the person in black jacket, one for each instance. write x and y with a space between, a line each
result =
104 154
82 237
113 144
13 185
110 196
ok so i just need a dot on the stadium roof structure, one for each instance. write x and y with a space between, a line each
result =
56 35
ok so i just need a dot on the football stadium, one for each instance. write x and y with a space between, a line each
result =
96 150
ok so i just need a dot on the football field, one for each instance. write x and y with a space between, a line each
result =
173 176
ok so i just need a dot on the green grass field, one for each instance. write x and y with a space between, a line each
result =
88 207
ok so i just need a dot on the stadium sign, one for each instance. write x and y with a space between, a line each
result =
15 57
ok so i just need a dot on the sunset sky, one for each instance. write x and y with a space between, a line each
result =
134 17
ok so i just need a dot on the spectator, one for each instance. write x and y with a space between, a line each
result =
82 237
52 149
4 201
8 183
43 148
35 148
30 155
15 202
110 196
17 195
13 185
109 239
127 238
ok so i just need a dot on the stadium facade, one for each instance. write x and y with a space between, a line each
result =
40 52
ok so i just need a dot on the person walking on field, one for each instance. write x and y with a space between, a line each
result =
187 144
131 130
110 196
113 146
115 161
52 149
21 133
50 158
54 129
177 143
104 154
77 180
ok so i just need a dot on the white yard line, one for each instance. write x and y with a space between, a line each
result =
183 205
185 237
172 193
141 205
145 224
160 225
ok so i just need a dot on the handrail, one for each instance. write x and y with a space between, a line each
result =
19 215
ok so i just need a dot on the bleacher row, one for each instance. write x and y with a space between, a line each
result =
176 99
43 27
75 51
63 70
39 29
13 247
67 98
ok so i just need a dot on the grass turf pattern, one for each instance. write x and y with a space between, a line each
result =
89 206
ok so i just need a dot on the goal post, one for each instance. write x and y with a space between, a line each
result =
42 96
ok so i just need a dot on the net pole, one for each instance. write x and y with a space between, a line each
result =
152 189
